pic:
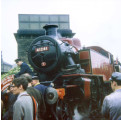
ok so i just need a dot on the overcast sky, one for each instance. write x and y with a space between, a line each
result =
95 22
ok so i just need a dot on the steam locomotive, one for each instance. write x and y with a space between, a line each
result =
79 75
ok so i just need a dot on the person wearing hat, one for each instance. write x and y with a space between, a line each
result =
35 82
24 68
111 107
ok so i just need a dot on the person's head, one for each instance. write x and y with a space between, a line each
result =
18 61
19 85
28 77
10 89
115 80
35 80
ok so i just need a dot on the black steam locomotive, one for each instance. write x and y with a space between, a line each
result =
79 79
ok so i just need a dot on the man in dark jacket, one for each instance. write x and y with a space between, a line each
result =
35 82
24 68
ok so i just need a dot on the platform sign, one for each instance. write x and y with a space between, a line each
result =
6 82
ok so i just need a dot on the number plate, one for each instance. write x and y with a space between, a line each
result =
41 49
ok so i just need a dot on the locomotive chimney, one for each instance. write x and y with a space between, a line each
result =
51 29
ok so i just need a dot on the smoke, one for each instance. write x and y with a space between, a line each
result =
80 115
77 115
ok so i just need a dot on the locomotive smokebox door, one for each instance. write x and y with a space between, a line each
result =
44 54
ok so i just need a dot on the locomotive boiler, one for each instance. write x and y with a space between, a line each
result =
79 75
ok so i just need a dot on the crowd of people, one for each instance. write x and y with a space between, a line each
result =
23 99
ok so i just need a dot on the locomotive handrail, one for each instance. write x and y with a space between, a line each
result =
42 44
82 75
60 74
46 82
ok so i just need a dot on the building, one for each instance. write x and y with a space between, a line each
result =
5 67
31 26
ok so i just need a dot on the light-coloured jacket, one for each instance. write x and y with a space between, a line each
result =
111 107
23 107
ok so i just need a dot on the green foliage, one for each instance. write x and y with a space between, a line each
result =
12 71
